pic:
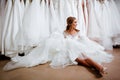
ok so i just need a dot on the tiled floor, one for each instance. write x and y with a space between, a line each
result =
44 72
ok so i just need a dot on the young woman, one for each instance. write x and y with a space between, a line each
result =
63 49
83 57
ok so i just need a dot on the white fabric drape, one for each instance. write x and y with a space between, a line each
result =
27 24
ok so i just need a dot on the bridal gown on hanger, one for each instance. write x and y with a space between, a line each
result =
11 26
7 14
68 8
27 3
81 20
73 7
103 18
62 53
54 23
22 5
94 30
86 14
58 11
115 20
61 15
45 12
34 28
115 17
0 28
2 12
11 41
117 2
19 37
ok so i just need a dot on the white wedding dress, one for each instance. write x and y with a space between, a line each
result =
11 27
115 21
94 30
34 26
115 17
81 19
104 20
8 9
116 10
86 14
61 50
53 18
2 12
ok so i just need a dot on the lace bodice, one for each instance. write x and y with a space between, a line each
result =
74 36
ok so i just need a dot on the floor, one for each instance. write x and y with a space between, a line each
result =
44 72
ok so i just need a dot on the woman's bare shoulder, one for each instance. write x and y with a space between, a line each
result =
77 30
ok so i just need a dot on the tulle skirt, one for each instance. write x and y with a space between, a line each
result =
61 52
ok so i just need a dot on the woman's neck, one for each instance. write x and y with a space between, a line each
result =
71 31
